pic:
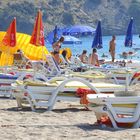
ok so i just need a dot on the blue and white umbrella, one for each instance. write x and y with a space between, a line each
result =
129 34
71 40
97 42
79 30
57 33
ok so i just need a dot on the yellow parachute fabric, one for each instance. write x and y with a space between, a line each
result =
23 42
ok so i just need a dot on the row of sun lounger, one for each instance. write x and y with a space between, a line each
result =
44 85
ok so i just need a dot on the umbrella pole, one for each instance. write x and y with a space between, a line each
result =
6 67
127 81
43 56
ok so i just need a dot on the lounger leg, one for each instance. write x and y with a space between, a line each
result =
31 104
19 103
137 124
113 121
51 106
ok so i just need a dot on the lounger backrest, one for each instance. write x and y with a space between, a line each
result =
20 60
122 105
53 66
76 61
63 60
17 56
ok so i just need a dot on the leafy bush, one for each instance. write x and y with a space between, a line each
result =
133 11
23 12
55 2
67 19
90 5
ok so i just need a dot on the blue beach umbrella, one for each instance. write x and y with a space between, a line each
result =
57 33
55 37
97 42
129 35
79 30
71 40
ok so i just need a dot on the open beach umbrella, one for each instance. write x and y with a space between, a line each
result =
129 34
97 42
67 38
71 40
79 30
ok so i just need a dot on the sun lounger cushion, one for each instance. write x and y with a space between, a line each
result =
35 83
8 76
97 85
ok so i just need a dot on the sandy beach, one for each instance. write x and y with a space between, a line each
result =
65 122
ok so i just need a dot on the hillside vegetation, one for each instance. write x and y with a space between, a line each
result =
115 14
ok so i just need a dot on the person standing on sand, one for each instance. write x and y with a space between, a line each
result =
112 47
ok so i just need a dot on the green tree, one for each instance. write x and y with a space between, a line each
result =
133 11
90 5
23 11
67 19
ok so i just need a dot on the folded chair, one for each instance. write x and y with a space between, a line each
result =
119 112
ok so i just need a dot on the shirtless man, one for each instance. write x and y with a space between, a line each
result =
94 58
83 56
112 46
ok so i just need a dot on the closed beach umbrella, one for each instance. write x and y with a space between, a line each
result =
32 46
8 41
97 42
10 36
37 37
129 35
55 36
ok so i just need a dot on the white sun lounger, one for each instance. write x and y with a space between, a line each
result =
36 93
5 84
120 110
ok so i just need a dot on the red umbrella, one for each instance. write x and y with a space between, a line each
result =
10 36
38 32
